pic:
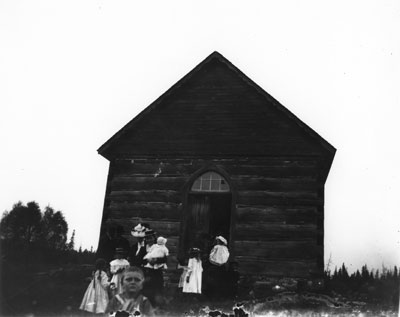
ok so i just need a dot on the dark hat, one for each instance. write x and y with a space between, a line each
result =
119 251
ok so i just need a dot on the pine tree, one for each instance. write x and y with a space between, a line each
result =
345 274
364 272
71 243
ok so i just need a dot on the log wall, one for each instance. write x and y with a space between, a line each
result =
277 216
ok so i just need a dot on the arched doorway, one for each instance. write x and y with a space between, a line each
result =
208 211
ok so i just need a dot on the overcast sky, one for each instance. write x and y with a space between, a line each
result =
72 73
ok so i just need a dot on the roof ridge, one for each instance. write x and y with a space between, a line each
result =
216 55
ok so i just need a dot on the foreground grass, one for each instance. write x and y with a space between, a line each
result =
59 291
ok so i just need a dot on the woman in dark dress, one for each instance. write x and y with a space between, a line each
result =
138 249
154 284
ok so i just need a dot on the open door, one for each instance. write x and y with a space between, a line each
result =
208 211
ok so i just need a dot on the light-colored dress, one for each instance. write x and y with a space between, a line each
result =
116 265
95 299
183 275
219 255
195 269
156 251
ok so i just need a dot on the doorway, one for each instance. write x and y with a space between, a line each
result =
208 212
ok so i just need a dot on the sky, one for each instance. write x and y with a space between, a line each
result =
72 73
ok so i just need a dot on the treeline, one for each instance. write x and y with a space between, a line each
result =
32 237
368 285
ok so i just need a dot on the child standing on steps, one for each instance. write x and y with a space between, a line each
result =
117 267
95 299
192 281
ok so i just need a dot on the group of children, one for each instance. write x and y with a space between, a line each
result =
117 289
122 290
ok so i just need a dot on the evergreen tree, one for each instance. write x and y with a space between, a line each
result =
54 229
71 243
345 274
364 272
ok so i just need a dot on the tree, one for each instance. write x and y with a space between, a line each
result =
28 235
71 243
345 274
54 228
21 226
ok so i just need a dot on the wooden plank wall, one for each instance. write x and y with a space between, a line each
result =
278 208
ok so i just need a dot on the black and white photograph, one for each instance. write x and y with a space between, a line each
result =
199 158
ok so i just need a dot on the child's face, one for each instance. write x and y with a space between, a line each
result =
132 282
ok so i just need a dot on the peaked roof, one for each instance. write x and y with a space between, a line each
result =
106 149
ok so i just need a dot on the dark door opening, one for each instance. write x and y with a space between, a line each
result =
209 215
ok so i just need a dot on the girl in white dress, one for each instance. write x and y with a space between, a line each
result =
95 299
117 267
192 282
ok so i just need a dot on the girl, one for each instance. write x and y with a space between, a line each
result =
192 282
131 301
117 267
95 299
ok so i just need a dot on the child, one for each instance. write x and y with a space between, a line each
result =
219 254
157 251
95 299
130 300
192 282
117 267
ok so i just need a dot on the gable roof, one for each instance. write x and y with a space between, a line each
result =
208 65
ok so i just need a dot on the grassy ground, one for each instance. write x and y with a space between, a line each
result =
59 291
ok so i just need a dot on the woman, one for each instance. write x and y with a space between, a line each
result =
138 249
216 270
154 285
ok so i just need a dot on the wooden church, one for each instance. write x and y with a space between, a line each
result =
217 155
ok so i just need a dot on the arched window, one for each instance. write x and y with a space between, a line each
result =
210 182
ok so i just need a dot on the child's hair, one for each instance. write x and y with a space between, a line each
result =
194 253
99 265
132 269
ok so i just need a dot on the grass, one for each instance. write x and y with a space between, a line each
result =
59 291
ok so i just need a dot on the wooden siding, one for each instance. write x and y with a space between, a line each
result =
278 210
216 112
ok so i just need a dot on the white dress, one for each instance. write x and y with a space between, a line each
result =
116 265
156 251
219 255
195 269
95 299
